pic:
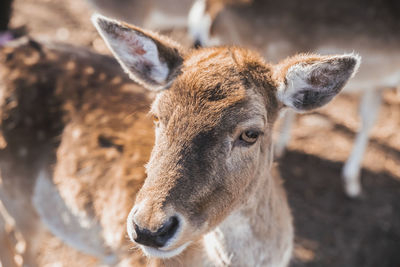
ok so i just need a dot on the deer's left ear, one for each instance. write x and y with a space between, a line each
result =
306 82
150 59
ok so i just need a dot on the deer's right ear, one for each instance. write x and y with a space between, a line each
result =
148 58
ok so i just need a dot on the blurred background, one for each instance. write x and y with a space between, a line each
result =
331 228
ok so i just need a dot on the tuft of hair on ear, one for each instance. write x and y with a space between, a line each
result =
307 82
104 24
150 59
356 58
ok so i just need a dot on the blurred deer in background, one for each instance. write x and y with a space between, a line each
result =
151 14
278 29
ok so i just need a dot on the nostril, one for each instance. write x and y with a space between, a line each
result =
160 237
168 230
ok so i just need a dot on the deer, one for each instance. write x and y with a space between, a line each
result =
206 196
208 181
321 26
161 15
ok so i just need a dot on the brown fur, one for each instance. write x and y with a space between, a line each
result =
71 101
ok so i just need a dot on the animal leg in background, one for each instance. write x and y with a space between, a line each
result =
284 132
369 109
202 15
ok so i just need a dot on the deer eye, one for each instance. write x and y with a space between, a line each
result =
250 137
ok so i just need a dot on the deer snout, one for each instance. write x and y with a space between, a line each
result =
151 228
158 238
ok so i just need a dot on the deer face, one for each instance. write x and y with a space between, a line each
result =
213 116
212 139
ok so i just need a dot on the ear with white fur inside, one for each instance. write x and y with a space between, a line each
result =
148 58
308 81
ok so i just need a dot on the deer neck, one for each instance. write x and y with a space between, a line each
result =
259 233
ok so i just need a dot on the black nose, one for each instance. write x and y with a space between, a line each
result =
160 237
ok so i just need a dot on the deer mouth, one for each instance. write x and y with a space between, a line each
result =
163 252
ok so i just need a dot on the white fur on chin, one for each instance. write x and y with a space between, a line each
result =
163 254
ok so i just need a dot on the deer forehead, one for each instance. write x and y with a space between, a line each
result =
217 83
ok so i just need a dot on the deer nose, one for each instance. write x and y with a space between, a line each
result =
158 238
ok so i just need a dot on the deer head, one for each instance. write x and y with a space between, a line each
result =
213 117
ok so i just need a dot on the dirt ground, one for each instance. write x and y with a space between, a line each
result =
331 230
